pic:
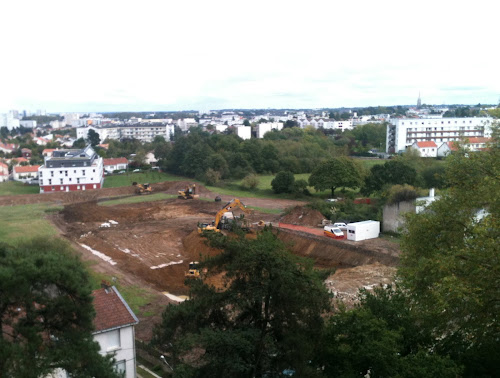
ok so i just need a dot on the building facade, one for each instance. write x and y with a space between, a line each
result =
25 173
71 170
403 132
143 132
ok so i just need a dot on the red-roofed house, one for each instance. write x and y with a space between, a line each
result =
4 172
19 160
25 173
115 164
426 148
8 147
48 152
477 143
114 330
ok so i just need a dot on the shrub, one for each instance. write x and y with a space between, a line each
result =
250 181
283 182
212 177
400 193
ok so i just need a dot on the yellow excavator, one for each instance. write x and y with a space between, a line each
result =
188 193
142 188
194 271
223 220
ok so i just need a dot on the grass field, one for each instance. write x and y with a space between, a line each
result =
127 179
26 221
11 188
137 199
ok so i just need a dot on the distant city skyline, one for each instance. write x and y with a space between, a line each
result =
171 56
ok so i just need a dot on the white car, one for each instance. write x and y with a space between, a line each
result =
136 170
341 225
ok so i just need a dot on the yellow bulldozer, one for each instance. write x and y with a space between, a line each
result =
188 193
224 217
194 271
142 188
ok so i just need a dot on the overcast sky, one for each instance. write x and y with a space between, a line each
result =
144 55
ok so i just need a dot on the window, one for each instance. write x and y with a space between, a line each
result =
78 180
61 181
120 367
50 181
113 339
83 172
93 170
51 173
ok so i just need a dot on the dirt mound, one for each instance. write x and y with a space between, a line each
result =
304 216
345 283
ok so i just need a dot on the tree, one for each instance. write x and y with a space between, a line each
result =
265 318
79 143
335 173
93 138
246 122
250 181
393 172
46 313
451 261
283 182
382 337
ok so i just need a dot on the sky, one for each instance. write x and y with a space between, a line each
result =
107 55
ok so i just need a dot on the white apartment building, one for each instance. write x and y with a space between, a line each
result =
71 170
334 125
263 128
142 132
244 132
28 124
403 132
9 121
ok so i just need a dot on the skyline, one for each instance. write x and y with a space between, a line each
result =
116 56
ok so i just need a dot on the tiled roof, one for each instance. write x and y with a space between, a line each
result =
25 150
111 310
20 159
479 140
2 164
26 168
426 144
48 150
114 161
8 146
453 145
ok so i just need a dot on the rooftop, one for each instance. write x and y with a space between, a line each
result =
111 310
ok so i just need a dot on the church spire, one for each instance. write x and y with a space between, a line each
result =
419 101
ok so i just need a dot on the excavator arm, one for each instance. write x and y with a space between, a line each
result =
228 207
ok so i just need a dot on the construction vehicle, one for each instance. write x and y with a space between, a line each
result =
188 193
194 271
224 219
142 188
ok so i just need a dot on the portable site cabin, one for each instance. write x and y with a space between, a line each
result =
363 230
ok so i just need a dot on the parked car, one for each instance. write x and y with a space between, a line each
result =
333 232
137 170
341 225
121 172
33 182
332 200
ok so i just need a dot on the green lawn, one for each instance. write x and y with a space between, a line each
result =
126 179
26 221
11 188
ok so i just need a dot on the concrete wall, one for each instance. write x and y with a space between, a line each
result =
393 215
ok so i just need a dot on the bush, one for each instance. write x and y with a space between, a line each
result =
400 193
300 187
250 181
212 177
283 182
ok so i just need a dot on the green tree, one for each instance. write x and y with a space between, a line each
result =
79 143
335 173
393 172
451 261
93 138
267 317
46 313
283 182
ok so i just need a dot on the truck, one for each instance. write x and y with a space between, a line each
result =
363 230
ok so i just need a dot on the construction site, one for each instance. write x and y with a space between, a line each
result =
151 244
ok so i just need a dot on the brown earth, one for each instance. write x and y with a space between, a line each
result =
150 244
303 216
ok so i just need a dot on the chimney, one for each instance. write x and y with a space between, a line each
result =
431 192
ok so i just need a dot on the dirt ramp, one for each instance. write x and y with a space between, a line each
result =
303 216
329 253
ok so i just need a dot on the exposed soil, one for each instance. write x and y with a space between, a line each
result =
303 216
150 244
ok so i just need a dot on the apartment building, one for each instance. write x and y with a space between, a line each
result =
71 170
403 132
145 132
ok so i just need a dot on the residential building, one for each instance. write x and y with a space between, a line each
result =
244 132
4 172
403 132
71 170
26 153
145 132
25 173
186 123
115 164
472 144
31 124
265 127
426 149
114 325
8 148
114 329
47 152
150 158
8 120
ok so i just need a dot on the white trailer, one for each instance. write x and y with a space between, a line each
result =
363 230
